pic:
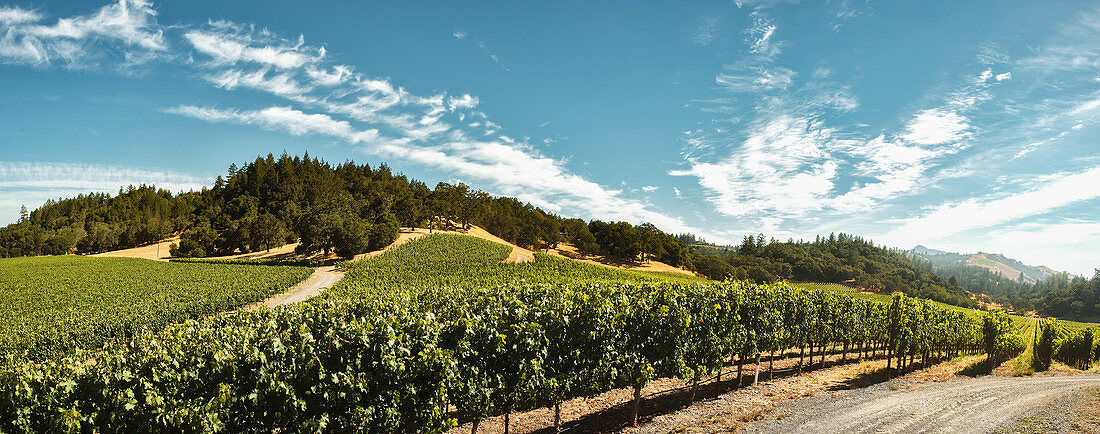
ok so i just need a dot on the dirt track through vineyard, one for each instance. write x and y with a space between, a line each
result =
977 405
322 278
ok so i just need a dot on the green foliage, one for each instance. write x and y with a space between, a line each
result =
1045 338
278 262
441 321
838 258
1075 348
1000 337
713 267
50 305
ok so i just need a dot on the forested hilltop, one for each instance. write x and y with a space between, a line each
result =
839 258
351 208
346 209
1060 295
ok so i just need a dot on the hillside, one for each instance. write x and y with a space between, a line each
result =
344 209
837 258
995 262
349 209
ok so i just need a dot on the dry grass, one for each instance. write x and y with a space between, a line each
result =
157 251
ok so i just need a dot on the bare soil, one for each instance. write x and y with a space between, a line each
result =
978 405
668 405
321 279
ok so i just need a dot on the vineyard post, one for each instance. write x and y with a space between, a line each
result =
507 421
771 366
756 376
889 359
801 356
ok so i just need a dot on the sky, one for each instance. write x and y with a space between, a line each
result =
961 126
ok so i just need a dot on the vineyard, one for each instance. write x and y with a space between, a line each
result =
439 331
53 304
1066 342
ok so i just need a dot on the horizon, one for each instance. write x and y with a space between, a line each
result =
895 122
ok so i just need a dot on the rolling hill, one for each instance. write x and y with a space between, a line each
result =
995 262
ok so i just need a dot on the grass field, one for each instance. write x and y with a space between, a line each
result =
52 304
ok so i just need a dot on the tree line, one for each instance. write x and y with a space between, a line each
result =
344 209
1059 295
837 258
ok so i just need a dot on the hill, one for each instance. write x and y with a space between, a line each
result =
346 209
837 258
995 262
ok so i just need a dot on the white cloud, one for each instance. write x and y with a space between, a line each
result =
463 102
1004 76
71 41
281 84
12 15
459 34
760 37
975 213
1085 107
229 45
649 188
936 127
740 77
783 168
286 119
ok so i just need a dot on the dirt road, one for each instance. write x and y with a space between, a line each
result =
977 405
322 278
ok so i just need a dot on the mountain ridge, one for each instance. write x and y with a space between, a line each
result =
996 262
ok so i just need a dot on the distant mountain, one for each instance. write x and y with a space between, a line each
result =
921 250
994 262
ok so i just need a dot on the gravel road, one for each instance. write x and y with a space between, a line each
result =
322 278
977 405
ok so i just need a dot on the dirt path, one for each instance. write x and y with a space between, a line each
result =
977 405
321 279
324 277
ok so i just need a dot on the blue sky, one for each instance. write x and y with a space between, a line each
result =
964 126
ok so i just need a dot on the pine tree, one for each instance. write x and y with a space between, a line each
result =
23 215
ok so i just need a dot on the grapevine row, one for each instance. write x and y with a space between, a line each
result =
398 363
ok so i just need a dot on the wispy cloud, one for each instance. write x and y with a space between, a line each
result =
782 168
975 213
129 27
707 31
